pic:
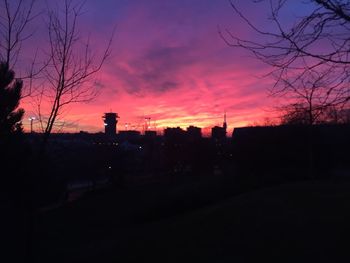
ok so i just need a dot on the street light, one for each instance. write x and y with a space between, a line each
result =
31 124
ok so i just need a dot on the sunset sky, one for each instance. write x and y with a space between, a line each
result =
170 64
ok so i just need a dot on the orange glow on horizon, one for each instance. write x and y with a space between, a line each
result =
179 73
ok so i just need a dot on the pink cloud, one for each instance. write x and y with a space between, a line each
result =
169 63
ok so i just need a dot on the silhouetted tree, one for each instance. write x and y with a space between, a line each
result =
343 116
314 94
295 114
14 154
10 95
15 17
71 65
309 56
299 114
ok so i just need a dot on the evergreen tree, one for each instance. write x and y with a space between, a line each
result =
10 95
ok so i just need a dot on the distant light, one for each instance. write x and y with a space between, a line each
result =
105 124
109 167
140 147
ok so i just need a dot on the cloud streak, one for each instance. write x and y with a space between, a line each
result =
169 63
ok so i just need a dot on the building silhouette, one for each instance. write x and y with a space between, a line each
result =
194 133
176 134
110 122
218 132
129 135
150 134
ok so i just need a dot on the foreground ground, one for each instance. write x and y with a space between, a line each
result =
295 222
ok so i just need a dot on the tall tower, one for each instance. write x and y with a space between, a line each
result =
110 122
224 126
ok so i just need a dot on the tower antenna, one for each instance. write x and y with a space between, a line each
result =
225 123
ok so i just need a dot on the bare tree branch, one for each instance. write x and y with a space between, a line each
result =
71 63
15 18
309 58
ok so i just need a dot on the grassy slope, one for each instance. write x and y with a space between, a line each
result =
304 222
